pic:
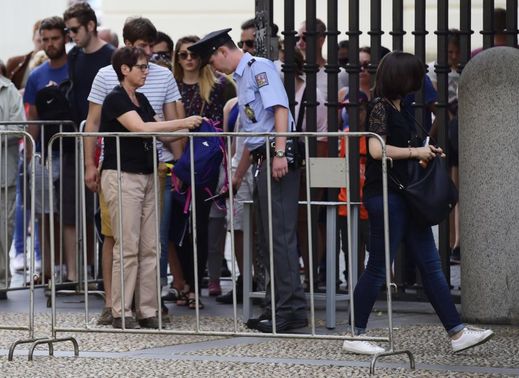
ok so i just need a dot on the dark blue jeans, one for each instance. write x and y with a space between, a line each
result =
19 242
420 243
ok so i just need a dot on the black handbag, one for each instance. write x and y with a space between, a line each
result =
430 193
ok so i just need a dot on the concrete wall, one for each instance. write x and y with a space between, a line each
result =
180 17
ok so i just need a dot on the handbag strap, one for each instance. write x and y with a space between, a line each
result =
419 124
301 113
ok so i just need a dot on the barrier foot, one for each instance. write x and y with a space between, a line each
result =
19 342
51 343
391 353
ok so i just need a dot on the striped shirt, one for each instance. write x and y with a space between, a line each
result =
160 88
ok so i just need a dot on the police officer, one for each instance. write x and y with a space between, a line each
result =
263 106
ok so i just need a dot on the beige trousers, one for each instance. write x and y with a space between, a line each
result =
139 243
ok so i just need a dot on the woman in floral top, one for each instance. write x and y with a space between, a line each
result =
204 93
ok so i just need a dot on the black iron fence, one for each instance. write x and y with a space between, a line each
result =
465 33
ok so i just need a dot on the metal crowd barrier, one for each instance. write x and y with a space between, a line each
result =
4 189
87 327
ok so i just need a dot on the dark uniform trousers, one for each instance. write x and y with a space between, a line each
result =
289 294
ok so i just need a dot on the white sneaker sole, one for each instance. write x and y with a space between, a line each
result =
353 350
482 341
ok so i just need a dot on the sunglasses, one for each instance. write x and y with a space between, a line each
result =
299 37
143 67
249 43
161 55
183 55
364 66
72 29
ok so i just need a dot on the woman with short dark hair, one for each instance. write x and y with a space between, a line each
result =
126 110
398 75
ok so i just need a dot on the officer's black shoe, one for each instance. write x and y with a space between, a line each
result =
252 323
282 324
3 295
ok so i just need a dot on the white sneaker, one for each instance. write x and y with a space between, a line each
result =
470 338
37 265
361 347
18 263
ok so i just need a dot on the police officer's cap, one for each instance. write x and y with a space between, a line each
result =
210 43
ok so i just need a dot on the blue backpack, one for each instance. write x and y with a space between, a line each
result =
209 151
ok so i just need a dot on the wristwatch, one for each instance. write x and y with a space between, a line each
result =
280 153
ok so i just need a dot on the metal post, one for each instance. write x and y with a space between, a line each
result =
442 69
465 33
398 25
419 44
263 20
289 66
332 70
488 24
511 23
353 69
311 68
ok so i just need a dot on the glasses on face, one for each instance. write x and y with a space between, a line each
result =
248 42
143 67
300 37
184 54
364 66
161 55
72 29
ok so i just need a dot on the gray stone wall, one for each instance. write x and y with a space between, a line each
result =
489 186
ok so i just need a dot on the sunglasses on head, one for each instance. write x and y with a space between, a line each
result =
184 54
249 43
72 29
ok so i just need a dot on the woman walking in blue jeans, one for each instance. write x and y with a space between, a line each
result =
399 74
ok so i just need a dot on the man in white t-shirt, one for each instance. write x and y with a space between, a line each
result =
162 93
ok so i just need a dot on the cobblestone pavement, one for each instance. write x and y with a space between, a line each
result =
107 354
152 355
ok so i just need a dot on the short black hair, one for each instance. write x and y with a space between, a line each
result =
344 44
398 74
454 37
51 23
126 55
83 12
136 28
251 23
163 37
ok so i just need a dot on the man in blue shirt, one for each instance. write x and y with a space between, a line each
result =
52 72
263 104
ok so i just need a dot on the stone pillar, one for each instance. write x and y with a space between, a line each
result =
489 186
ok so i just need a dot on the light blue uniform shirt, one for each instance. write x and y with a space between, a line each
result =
260 89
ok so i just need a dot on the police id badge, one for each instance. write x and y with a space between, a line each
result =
249 112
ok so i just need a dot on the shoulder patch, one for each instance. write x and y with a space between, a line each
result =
262 79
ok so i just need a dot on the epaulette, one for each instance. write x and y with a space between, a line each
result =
251 62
